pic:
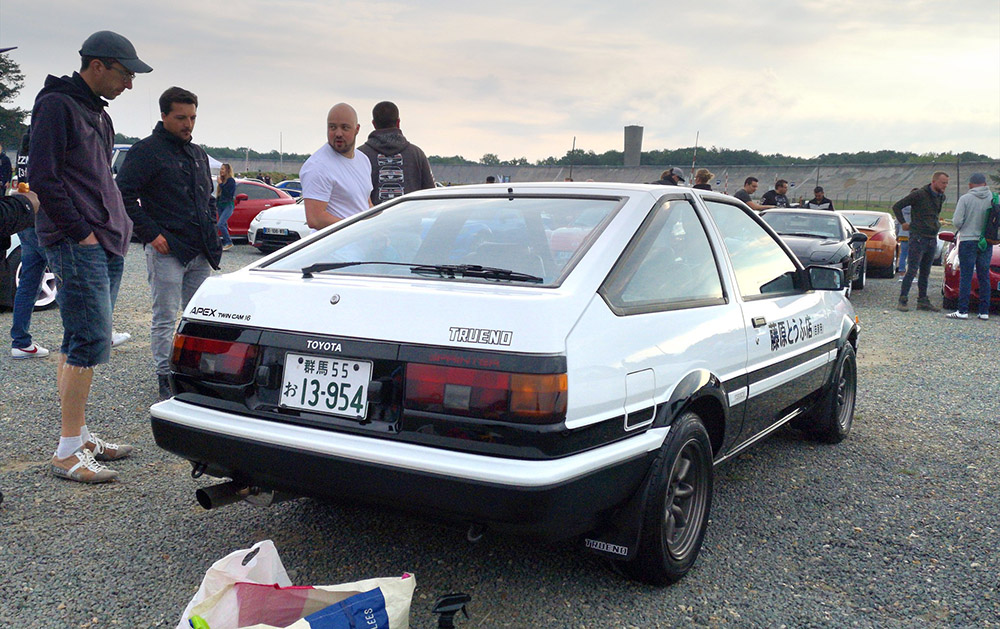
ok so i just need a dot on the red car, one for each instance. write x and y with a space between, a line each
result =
951 275
252 198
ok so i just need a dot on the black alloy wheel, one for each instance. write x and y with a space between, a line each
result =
834 413
678 504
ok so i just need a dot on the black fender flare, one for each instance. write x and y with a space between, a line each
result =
618 538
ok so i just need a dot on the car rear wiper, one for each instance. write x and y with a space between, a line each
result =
319 267
451 271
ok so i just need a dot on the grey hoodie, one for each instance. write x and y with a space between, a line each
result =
970 213
398 167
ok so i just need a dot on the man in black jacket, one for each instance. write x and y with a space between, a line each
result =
166 183
925 211
398 167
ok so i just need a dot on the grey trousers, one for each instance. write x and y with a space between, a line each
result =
172 284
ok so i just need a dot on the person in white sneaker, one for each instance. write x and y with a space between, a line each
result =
974 253
85 231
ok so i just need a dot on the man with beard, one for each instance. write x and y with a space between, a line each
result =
166 183
336 179
398 167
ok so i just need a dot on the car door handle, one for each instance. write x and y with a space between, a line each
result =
759 322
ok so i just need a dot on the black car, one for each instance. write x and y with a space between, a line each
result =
822 237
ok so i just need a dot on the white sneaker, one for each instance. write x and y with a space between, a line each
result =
984 317
117 338
957 315
34 351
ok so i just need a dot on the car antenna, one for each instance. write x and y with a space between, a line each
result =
449 605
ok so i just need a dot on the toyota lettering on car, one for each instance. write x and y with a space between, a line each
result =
561 361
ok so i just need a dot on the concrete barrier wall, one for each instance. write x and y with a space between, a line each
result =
853 182
875 183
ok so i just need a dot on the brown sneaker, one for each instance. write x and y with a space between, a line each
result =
81 467
104 451
903 305
925 304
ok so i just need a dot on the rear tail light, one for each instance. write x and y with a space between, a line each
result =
516 397
222 361
877 237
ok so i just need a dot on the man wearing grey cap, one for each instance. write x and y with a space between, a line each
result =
670 177
974 253
84 230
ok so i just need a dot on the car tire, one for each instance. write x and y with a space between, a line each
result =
679 499
858 283
47 293
833 415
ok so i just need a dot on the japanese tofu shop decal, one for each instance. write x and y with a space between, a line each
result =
792 331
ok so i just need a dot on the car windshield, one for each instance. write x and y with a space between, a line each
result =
511 239
808 225
866 221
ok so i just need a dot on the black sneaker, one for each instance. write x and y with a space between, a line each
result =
902 305
164 384
925 304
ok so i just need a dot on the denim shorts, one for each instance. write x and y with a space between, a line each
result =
87 279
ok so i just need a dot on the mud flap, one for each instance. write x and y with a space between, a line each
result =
618 539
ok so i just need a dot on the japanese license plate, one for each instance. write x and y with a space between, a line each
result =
276 231
326 385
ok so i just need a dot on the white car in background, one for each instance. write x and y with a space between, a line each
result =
563 361
279 226
11 278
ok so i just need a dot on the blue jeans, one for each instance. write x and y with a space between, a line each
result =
87 277
32 268
921 258
970 259
225 211
904 248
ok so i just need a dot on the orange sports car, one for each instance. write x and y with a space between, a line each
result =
882 249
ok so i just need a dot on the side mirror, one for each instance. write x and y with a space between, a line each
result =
241 197
946 236
825 277
859 237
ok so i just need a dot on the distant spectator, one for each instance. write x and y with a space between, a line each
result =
819 200
925 211
568 179
267 178
749 187
670 177
903 236
974 253
398 167
226 193
701 178
776 197
491 179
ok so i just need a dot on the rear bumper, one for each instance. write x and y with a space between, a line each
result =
549 499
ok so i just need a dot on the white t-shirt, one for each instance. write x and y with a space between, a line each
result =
344 184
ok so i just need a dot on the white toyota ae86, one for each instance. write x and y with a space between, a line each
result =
555 360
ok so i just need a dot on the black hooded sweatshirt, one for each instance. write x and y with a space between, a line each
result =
398 167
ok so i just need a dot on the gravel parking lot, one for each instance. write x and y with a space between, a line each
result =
898 526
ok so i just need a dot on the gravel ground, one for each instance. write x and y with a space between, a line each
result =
895 527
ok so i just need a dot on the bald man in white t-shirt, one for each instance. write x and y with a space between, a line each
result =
336 179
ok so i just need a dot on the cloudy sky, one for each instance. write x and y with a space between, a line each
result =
522 79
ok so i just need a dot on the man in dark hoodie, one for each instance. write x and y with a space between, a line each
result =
170 176
398 167
85 231
925 212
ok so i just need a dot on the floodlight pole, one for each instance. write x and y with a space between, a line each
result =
572 153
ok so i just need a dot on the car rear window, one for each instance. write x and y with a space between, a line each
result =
866 221
538 236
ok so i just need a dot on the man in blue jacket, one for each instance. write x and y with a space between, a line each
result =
166 183
85 231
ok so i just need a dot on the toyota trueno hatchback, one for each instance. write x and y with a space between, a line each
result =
562 361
